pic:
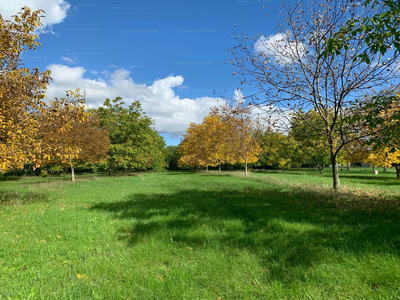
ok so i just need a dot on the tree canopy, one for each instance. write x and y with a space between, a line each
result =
21 90
379 30
135 144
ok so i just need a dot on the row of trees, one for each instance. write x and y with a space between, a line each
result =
110 137
216 141
316 71
226 136
63 132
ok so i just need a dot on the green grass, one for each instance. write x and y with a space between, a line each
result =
201 236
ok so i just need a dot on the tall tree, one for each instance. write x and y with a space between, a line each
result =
135 144
292 74
21 90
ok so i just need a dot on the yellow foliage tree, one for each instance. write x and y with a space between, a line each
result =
68 133
204 144
241 129
383 156
381 115
21 90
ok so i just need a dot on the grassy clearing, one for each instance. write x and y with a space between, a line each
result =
200 236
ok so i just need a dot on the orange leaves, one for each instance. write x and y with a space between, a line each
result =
69 133
204 144
225 136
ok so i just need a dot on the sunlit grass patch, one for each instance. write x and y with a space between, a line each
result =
199 236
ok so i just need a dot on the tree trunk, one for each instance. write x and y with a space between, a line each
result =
373 169
384 169
320 168
335 171
219 168
245 168
397 171
207 168
72 171
348 166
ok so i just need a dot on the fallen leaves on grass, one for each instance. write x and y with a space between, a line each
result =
162 278
82 276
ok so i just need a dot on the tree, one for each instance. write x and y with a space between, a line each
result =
69 134
190 150
242 127
388 158
91 139
21 90
279 149
172 157
294 76
134 143
226 135
56 120
313 145
380 115
205 144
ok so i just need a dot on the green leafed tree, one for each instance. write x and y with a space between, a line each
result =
135 144
313 144
379 29
279 150
172 157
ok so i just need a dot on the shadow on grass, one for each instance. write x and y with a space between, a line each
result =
9 178
386 179
373 179
286 229
11 197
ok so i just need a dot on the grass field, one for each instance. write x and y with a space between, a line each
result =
180 235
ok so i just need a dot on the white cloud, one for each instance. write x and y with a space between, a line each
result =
281 47
273 117
55 10
238 96
67 60
171 113
93 72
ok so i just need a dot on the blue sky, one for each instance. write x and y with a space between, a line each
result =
169 55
